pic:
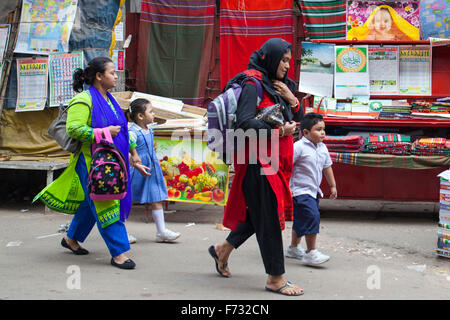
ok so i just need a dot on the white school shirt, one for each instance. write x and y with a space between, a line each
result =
133 135
309 161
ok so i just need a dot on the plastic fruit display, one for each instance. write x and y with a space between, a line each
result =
218 195
191 180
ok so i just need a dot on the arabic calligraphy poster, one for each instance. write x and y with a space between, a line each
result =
415 70
317 69
351 76
62 67
32 75
384 66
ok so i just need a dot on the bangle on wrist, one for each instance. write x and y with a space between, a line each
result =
282 131
294 106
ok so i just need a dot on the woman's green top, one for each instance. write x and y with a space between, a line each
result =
65 194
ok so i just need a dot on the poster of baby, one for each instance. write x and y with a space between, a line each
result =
383 20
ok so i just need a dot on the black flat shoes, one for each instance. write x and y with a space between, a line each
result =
128 264
79 252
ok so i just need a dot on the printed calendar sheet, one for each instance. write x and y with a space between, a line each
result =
32 75
415 70
62 67
383 65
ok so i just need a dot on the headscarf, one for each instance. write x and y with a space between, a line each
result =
266 60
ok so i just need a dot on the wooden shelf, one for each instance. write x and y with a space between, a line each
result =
376 183
358 42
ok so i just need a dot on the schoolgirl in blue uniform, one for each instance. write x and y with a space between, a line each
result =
152 189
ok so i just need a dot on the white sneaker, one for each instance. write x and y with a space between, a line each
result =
314 257
167 236
295 252
131 238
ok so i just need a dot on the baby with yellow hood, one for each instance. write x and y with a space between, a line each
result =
384 23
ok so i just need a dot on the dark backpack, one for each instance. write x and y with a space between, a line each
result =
108 177
222 114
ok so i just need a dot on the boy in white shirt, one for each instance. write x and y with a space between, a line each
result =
311 158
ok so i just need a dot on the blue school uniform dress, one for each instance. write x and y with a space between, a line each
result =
146 189
309 161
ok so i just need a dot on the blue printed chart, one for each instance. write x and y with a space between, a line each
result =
45 26
61 69
435 19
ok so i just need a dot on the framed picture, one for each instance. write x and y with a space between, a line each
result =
383 20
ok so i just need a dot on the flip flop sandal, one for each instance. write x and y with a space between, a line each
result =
213 254
280 290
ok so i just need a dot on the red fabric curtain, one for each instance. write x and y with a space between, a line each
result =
175 38
245 26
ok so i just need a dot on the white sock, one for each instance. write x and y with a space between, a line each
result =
158 216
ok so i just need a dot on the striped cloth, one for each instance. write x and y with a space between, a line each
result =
245 26
175 37
391 161
343 143
430 146
324 19
395 144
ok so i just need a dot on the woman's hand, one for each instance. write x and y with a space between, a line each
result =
114 130
288 128
282 89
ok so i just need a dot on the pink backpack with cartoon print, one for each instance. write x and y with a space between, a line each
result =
108 178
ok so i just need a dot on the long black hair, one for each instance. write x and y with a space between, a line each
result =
137 106
87 76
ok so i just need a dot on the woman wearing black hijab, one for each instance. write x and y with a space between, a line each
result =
260 199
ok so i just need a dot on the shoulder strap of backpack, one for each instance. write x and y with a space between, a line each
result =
255 76
259 88
258 85
80 102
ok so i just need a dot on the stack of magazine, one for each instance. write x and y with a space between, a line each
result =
443 243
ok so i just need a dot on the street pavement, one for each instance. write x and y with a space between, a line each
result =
378 251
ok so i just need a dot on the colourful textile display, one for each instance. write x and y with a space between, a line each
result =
324 19
343 143
430 146
430 107
395 112
175 37
245 26
390 161
395 144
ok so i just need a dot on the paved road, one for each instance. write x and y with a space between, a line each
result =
384 258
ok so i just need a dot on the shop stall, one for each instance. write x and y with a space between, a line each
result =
384 94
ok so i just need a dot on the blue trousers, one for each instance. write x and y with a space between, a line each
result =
115 235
